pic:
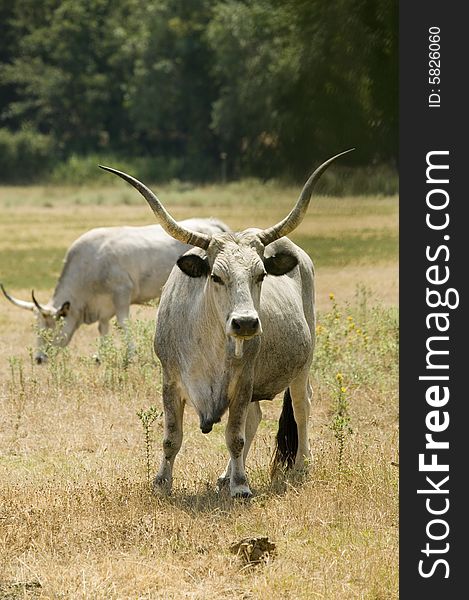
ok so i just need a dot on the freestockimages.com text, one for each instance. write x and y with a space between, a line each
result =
440 300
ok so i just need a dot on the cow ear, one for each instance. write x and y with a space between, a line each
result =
193 265
281 263
63 310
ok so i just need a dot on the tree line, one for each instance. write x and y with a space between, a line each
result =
259 87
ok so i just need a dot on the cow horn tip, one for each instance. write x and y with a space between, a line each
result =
346 151
36 303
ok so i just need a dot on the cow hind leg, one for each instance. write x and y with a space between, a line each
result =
173 417
292 444
302 393
253 418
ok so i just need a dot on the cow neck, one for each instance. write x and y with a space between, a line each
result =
211 323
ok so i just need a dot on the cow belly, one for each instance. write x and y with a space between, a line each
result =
278 364
149 287
268 389
99 308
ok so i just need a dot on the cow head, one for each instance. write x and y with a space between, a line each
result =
234 264
234 267
51 323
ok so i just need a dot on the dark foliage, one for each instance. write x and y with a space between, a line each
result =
219 88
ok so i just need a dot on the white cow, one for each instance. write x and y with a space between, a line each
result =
105 271
236 325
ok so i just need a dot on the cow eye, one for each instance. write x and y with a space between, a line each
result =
216 279
261 277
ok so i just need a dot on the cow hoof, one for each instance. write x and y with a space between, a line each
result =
241 491
161 486
243 495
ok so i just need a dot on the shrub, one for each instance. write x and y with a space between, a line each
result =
25 155
81 170
353 181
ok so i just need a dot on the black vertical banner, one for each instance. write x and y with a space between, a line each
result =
434 263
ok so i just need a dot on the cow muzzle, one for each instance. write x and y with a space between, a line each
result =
40 358
244 325
241 327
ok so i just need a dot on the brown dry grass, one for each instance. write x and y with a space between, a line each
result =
76 517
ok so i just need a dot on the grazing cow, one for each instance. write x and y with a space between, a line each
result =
105 271
236 325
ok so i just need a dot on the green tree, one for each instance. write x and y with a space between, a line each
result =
274 84
171 93
253 63
73 62
303 79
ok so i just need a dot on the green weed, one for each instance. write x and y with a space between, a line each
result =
341 420
147 419
358 341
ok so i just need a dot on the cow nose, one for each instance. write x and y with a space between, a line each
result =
245 326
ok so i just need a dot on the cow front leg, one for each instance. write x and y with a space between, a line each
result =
103 328
173 406
253 418
236 442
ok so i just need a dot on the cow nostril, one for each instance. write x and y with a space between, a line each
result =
245 325
251 323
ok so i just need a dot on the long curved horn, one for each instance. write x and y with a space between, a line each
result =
296 215
15 301
171 226
46 312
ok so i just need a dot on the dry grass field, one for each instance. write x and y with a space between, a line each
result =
77 519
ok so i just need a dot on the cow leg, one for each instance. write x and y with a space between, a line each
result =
253 419
236 441
173 406
103 328
301 395
122 303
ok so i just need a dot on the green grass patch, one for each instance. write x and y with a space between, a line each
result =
35 268
360 248
253 193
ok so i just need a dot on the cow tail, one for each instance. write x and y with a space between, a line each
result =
286 445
